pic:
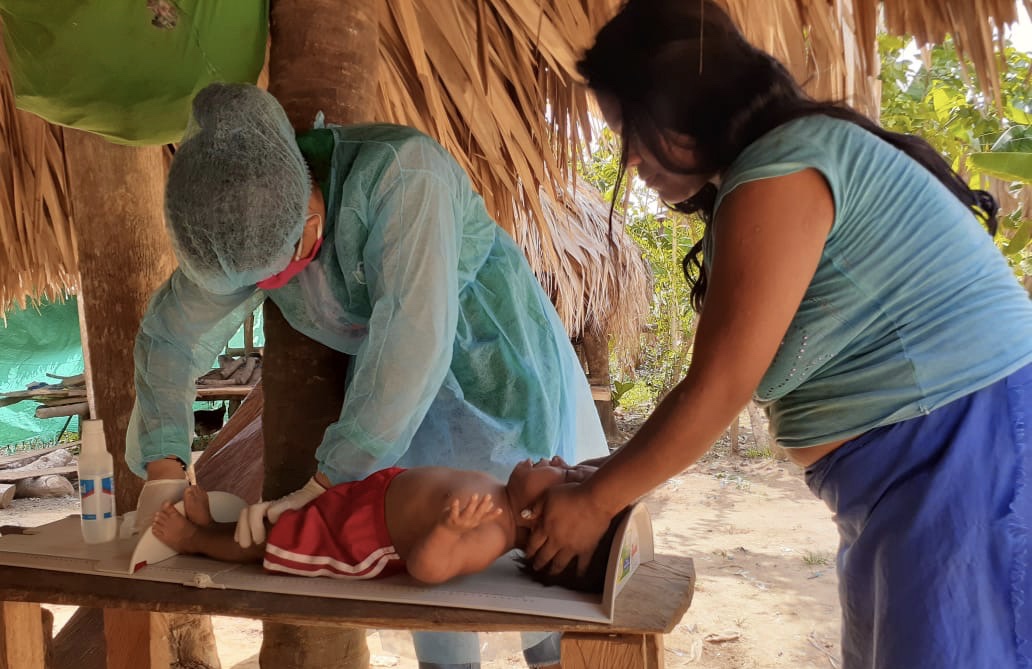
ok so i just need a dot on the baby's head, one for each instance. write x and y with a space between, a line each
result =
528 480
594 578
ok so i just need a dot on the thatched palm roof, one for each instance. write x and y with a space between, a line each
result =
493 81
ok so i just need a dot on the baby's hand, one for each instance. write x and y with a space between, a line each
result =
460 517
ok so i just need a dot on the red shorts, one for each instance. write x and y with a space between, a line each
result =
342 533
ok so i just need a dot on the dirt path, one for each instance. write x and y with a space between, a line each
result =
764 551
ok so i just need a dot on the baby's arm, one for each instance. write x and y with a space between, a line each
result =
464 540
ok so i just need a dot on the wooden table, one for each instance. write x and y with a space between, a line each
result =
651 604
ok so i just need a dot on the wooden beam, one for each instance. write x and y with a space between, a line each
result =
6 494
652 602
626 651
13 475
70 409
22 642
26 457
224 392
136 640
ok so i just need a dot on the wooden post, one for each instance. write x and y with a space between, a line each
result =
323 57
612 651
22 644
136 639
596 355
117 203
117 195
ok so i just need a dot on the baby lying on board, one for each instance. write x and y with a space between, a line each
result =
436 523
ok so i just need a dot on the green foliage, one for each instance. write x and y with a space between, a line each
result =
938 101
1006 165
664 238
638 396
621 388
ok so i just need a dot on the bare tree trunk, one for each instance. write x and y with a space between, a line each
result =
761 437
596 356
117 194
323 57
733 434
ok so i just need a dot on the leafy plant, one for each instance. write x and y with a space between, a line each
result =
621 388
935 98
664 238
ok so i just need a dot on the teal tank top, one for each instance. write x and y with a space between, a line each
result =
912 305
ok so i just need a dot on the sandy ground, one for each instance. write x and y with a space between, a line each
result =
764 551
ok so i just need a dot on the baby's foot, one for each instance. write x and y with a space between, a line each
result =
197 506
174 530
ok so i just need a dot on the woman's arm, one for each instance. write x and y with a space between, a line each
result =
769 237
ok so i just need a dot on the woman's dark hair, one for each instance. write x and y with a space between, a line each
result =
682 66
594 578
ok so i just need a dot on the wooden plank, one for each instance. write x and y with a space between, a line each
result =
653 602
69 381
41 394
223 392
136 640
654 649
22 644
73 409
623 651
28 456
12 475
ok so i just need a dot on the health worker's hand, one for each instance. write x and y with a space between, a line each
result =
569 527
574 473
154 494
250 528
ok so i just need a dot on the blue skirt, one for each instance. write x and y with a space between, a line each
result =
935 521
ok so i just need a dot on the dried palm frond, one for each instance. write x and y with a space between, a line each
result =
600 283
37 248
494 82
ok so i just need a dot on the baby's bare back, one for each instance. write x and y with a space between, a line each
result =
417 497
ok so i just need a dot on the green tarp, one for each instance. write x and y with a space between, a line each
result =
36 341
45 339
128 69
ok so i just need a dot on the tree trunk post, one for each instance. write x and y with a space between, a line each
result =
323 57
596 356
117 198
117 202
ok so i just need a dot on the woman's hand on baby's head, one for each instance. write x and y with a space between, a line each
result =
463 516
579 473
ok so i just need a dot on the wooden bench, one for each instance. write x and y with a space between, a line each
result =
651 604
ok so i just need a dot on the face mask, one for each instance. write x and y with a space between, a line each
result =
295 266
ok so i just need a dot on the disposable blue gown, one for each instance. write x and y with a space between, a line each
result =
459 357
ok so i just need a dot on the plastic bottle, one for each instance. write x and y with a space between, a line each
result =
96 485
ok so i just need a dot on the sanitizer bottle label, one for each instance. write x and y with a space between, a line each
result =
98 497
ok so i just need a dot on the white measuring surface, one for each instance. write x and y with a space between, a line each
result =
501 587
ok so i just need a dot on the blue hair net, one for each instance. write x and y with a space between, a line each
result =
237 192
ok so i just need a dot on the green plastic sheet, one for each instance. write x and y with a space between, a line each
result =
37 341
128 69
